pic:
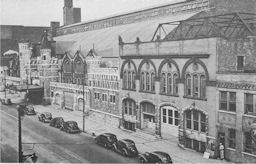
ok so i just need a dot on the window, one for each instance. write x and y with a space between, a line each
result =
195 85
163 82
195 120
232 138
228 101
147 81
249 104
129 107
169 86
240 62
248 144
164 115
188 85
112 98
175 86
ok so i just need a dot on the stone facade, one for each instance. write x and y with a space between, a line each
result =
241 83
170 99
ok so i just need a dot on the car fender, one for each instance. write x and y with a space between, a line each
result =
143 157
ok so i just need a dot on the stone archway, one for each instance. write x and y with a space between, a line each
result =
169 118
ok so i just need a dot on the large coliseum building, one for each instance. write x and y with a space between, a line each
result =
181 70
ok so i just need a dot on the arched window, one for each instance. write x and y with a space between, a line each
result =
128 76
169 83
188 85
175 86
152 81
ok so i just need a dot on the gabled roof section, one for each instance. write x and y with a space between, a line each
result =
229 26
92 53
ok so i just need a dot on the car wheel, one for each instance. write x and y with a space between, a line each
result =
123 153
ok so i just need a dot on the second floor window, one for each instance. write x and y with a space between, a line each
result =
250 104
228 101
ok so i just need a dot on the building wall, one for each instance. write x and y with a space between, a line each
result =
240 82
182 53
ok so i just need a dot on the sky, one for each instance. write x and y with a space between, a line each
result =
42 12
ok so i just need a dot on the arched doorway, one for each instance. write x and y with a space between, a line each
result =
169 121
57 99
148 116
80 104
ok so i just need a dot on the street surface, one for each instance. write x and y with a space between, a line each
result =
50 144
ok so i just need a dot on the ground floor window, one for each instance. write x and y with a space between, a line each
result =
195 145
129 125
249 145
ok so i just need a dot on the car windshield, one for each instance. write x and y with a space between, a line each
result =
73 125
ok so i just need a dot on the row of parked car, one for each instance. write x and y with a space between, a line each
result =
57 122
127 147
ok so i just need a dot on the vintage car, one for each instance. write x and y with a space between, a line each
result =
70 127
57 122
126 147
155 157
29 110
106 139
45 117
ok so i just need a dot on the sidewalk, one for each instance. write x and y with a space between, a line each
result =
144 142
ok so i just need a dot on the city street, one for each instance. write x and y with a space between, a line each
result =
50 144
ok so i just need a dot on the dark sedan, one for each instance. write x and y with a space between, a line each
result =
29 110
70 127
126 147
57 122
45 117
106 139
155 157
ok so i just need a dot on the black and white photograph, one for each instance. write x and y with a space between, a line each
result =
128 81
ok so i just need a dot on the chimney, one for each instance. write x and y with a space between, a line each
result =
77 15
54 26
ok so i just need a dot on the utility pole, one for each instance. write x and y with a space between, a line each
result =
4 83
83 97
19 134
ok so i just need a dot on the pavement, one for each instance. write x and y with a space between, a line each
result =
144 142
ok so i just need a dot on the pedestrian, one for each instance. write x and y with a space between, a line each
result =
221 148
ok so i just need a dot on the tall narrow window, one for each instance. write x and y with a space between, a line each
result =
188 84
147 81
125 80
223 100
188 119
202 86
240 62
195 86
232 101
152 81
196 120
133 80
163 82
129 80
142 82
248 103
232 138
169 86
175 86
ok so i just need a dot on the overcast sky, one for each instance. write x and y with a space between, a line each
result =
41 12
